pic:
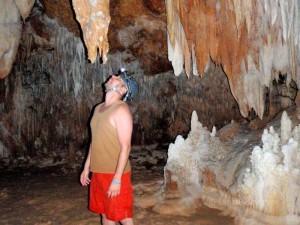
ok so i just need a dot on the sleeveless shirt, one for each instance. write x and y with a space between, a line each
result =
105 143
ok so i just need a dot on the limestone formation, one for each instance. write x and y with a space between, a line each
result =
11 30
94 18
238 176
254 41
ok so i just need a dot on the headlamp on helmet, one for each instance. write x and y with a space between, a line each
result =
130 83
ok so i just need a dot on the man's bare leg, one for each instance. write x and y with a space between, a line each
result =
127 221
105 221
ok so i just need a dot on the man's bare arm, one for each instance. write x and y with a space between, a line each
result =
122 119
84 177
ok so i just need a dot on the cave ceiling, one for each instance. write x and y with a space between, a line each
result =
129 29
63 12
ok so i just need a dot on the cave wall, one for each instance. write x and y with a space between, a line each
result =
46 101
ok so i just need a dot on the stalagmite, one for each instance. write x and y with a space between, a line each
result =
94 18
10 31
255 184
254 41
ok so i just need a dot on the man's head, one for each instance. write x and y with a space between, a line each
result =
124 84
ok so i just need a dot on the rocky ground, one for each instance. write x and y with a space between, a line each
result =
53 195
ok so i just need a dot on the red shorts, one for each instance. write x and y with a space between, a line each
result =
116 208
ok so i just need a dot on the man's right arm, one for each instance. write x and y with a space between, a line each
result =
84 177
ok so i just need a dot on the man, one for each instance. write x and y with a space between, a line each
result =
111 193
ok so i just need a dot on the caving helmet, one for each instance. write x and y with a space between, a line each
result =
130 83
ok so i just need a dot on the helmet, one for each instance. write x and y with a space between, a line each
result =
130 83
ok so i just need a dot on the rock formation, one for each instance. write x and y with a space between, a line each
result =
48 97
245 58
10 31
254 41
94 18
255 180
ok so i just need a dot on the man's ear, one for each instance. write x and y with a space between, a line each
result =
123 90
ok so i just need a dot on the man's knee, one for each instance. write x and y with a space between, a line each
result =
105 221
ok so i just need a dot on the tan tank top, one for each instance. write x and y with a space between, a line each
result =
105 143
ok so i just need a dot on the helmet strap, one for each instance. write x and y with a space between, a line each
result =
114 88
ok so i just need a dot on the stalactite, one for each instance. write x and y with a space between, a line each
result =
24 7
257 36
178 49
94 19
10 31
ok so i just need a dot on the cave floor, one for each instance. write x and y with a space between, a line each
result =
51 197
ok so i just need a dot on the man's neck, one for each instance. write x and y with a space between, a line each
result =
111 98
